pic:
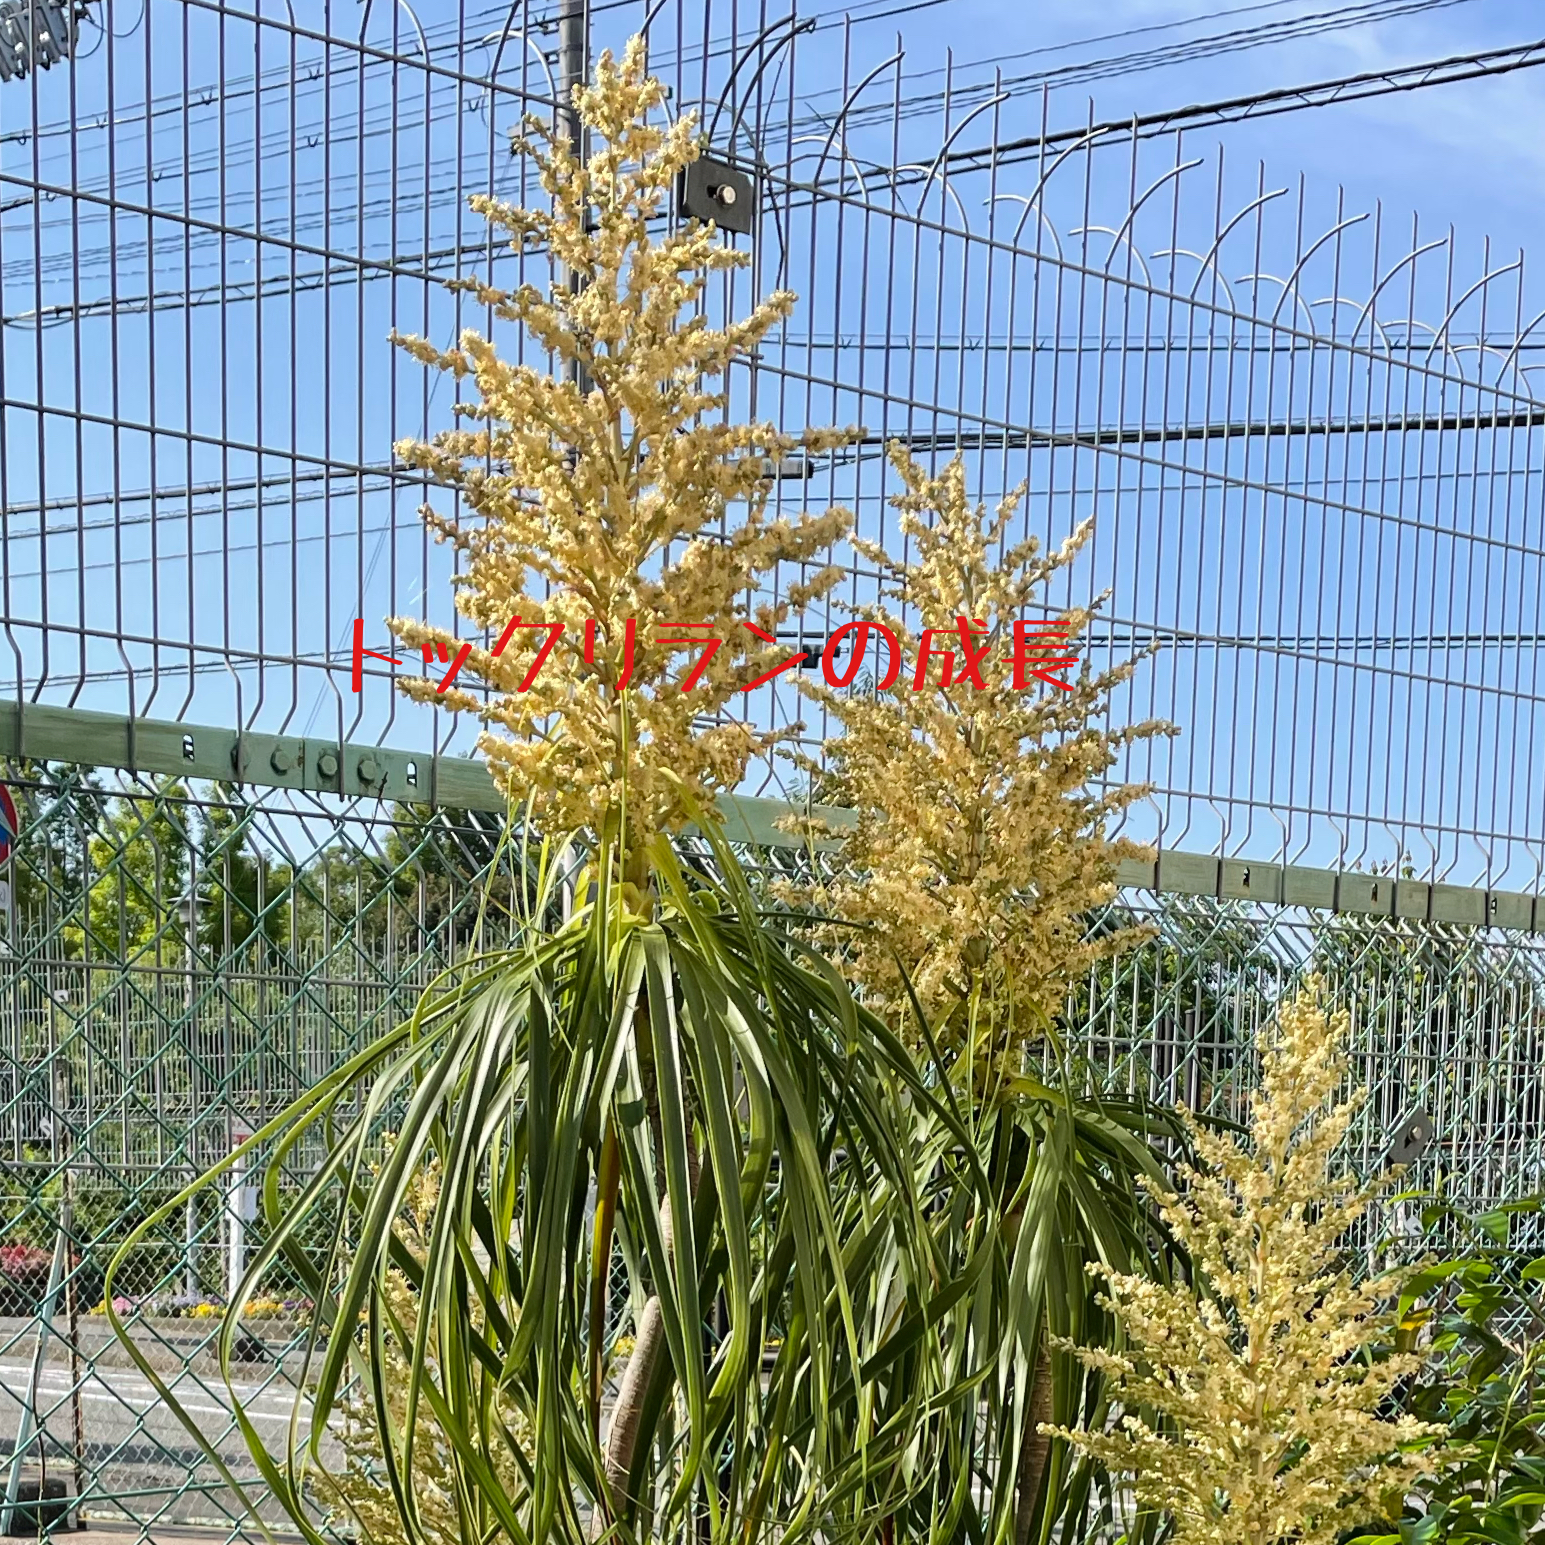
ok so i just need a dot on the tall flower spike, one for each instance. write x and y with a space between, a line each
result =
615 499
1273 1410
980 842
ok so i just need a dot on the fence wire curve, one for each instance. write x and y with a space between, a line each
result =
1307 431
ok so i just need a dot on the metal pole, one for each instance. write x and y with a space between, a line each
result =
190 1282
573 67
236 1239
190 1286
573 52
28 1422
72 1313
237 1212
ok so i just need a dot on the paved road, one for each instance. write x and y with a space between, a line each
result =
135 1449
138 1458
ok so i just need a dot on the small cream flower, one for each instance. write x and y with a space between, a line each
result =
618 496
980 844
1277 1433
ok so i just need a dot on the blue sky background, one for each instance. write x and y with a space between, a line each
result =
1321 749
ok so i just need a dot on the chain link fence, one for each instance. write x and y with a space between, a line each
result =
181 961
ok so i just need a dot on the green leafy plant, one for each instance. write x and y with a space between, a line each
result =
792 1178
1479 1317
982 841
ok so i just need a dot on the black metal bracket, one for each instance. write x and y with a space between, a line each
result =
1412 1138
711 190
813 650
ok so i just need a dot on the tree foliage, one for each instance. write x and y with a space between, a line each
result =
138 857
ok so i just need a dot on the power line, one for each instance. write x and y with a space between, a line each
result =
1070 43
1187 50
1266 104
1223 429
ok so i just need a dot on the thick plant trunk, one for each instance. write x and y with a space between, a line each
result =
648 1346
1034 1446
622 1435
649 1342
649 1334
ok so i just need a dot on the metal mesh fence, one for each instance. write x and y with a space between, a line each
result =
1306 431
140 1035
179 965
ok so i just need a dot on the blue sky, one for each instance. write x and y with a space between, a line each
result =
1471 153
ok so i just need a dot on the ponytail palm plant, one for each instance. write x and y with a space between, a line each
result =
662 1078
776 1166
979 849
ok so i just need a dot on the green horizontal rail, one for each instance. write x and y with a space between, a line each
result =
45 732
48 733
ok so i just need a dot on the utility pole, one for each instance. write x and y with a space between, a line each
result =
573 69
188 907
240 1209
573 49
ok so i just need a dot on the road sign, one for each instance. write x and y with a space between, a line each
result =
10 824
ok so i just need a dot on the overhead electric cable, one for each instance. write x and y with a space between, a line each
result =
1184 51
1265 104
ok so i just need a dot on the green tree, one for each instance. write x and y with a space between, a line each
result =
447 867
59 806
241 891
341 900
138 856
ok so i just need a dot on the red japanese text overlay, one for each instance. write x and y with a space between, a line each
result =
1041 653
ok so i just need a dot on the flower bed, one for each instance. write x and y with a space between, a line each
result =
24 1274
180 1306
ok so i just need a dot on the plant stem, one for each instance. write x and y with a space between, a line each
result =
608 1179
649 1340
622 1437
1034 1445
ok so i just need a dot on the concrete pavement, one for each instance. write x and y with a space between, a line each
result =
137 1458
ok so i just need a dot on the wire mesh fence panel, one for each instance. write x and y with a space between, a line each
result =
182 961
180 964
1305 431
1446 1028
